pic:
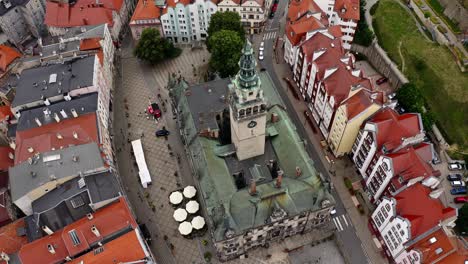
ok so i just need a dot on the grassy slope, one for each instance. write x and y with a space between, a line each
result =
430 66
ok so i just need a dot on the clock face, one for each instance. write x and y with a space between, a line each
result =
252 124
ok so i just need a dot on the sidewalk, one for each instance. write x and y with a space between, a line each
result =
342 167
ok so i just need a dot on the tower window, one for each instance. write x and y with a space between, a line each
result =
250 93
255 109
262 108
249 111
241 112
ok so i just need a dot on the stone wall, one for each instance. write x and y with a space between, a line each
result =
382 63
436 34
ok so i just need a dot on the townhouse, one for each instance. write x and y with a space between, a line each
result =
147 14
6 119
253 13
8 56
62 17
22 21
411 215
6 161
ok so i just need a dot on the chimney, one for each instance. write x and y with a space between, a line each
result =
298 171
95 231
75 135
74 113
38 122
30 150
279 179
253 188
75 158
63 113
47 230
59 136
89 216
57 118
12 145
51 249
274 117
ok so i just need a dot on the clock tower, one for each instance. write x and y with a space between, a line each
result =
247 108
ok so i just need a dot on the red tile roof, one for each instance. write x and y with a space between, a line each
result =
173 3
392 127
110 220
124 249
427 249
339 83
297 30
424 212
65 15
410 163
7 56
335 31
10 242
5 112
146 9
347 9
455 257
5 161
44 138
321 41
297 9
90 44
362 100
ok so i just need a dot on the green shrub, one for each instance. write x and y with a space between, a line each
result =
207 256
442 29
348 183
427 14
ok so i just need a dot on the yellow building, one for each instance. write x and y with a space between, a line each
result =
350 115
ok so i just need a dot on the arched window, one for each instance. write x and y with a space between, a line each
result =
242 112
255 109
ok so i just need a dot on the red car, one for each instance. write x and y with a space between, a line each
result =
275 6
462 199
153 109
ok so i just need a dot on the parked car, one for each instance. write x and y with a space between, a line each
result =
162 132
154 110
382 80
462 199
454 177
262 46
260 55
457 183
458 190
455 166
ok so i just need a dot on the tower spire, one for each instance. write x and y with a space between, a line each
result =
247 76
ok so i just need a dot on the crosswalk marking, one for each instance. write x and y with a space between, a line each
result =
340 224
269 35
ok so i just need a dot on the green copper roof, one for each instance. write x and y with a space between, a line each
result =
247 77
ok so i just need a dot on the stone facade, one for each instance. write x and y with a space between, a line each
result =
253 13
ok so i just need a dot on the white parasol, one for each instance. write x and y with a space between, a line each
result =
198 222
192 206
175 198
190 191
185 228
180 215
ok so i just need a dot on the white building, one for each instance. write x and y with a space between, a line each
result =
186 21
253 13
22 20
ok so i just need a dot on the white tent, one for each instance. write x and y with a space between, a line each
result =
176 198
185 228
180 215
190 191
192 206
143 171
198 222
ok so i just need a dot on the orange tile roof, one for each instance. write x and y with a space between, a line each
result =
297 30
339 83
7 56
10 242
427 249
5 161
347 9
173 3
5 111
109 221
65 15
297 8
425 217
90 44
146 9
455 257
44 138
362 100
126 248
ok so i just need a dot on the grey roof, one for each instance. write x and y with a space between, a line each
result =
8 5
33 84
11 133
83 32
82 105
227 203
215 92
55 209
56 48
28 176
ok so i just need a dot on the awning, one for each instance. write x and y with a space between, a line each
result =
185 228
190 191
198 222
176 198
180 215
192 207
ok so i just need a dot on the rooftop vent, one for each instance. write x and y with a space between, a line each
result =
89 216
47 230
57 118
95 231
51 249
30 149
81 183
67 97
76 158
74 113
46 102
53 78
59 136
63 113
432 240
33 174
75 135
38 122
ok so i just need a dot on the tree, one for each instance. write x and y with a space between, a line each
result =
364 36
461 224
225 21
153 48
226 46
410 98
